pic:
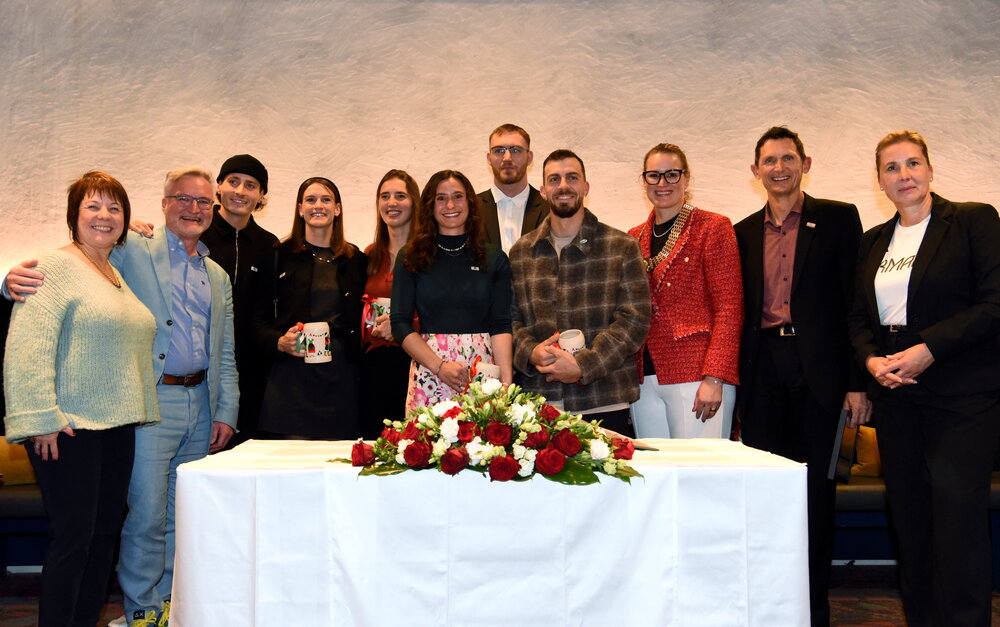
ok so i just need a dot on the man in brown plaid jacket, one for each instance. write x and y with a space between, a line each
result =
573 272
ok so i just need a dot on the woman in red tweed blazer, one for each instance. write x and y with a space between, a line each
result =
688 367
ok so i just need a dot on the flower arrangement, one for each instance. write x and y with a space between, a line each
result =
506 433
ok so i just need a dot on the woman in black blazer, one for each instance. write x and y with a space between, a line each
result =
925 325
317 276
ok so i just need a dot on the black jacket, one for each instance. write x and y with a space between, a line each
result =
822 294
953 298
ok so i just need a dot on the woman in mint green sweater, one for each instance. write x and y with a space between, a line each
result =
78 377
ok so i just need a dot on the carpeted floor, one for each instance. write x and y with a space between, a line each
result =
860 596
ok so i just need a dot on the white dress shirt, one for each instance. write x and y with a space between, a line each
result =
510 215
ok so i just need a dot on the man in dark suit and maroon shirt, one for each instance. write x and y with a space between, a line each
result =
799 255
510 207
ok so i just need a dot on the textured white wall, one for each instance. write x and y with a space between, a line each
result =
348 89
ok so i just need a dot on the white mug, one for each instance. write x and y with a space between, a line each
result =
381 306
571 340
487 371
314 341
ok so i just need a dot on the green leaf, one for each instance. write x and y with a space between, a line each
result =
383 470
574 473
340 459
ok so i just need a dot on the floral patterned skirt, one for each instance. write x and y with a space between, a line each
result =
425 387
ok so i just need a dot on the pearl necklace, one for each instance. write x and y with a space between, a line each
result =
453 252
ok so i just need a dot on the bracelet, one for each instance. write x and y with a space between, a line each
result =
715 380
440 365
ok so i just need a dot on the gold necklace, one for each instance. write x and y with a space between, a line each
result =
675 232
111 277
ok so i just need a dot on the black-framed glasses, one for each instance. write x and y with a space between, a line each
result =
185 200
671 176
498 151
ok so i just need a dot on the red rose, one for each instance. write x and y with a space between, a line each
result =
503 468
467 431
362 454
392 436
566 442
451 413
498 434
549 412
624 449
549 461
411 432
538 439
417 454
454 460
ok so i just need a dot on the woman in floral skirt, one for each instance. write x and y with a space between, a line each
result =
459 286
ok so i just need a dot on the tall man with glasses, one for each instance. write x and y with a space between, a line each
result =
511 207
796 369
574 272
191 298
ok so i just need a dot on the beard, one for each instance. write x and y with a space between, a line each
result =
566 210
508 177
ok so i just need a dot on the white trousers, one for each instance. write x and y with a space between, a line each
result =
664 411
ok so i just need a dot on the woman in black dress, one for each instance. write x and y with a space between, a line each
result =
317 276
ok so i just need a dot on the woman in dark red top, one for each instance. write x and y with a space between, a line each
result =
385 366
688 367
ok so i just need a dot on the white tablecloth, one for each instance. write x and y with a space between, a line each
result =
270 534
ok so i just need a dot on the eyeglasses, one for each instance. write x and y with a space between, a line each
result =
498 151
185 201
671 176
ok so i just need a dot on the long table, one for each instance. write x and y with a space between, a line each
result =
271 533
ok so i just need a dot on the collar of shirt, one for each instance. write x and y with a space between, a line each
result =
583 238
519 200
796 209
177 251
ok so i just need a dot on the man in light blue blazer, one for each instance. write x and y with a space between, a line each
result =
191 297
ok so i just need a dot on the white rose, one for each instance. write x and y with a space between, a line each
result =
476 449
440 447
490 386
518 413
449 429
400 449
441 408
527 467
519 450
599 449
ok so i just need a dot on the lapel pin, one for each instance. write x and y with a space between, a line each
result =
811 225
476 268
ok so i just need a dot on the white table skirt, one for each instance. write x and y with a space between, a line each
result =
269 534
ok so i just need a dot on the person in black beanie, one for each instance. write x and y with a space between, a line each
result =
243 249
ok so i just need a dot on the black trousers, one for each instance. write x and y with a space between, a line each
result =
385 374
619 420
782 416
937 454
84 492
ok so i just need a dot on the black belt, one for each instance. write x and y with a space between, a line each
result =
894 328
187 380
782 330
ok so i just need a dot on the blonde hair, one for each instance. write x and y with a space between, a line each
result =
898 137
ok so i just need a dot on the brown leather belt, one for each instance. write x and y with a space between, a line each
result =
187 380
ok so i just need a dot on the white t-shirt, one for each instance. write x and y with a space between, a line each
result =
893 277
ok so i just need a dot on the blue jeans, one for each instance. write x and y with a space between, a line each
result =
146 561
